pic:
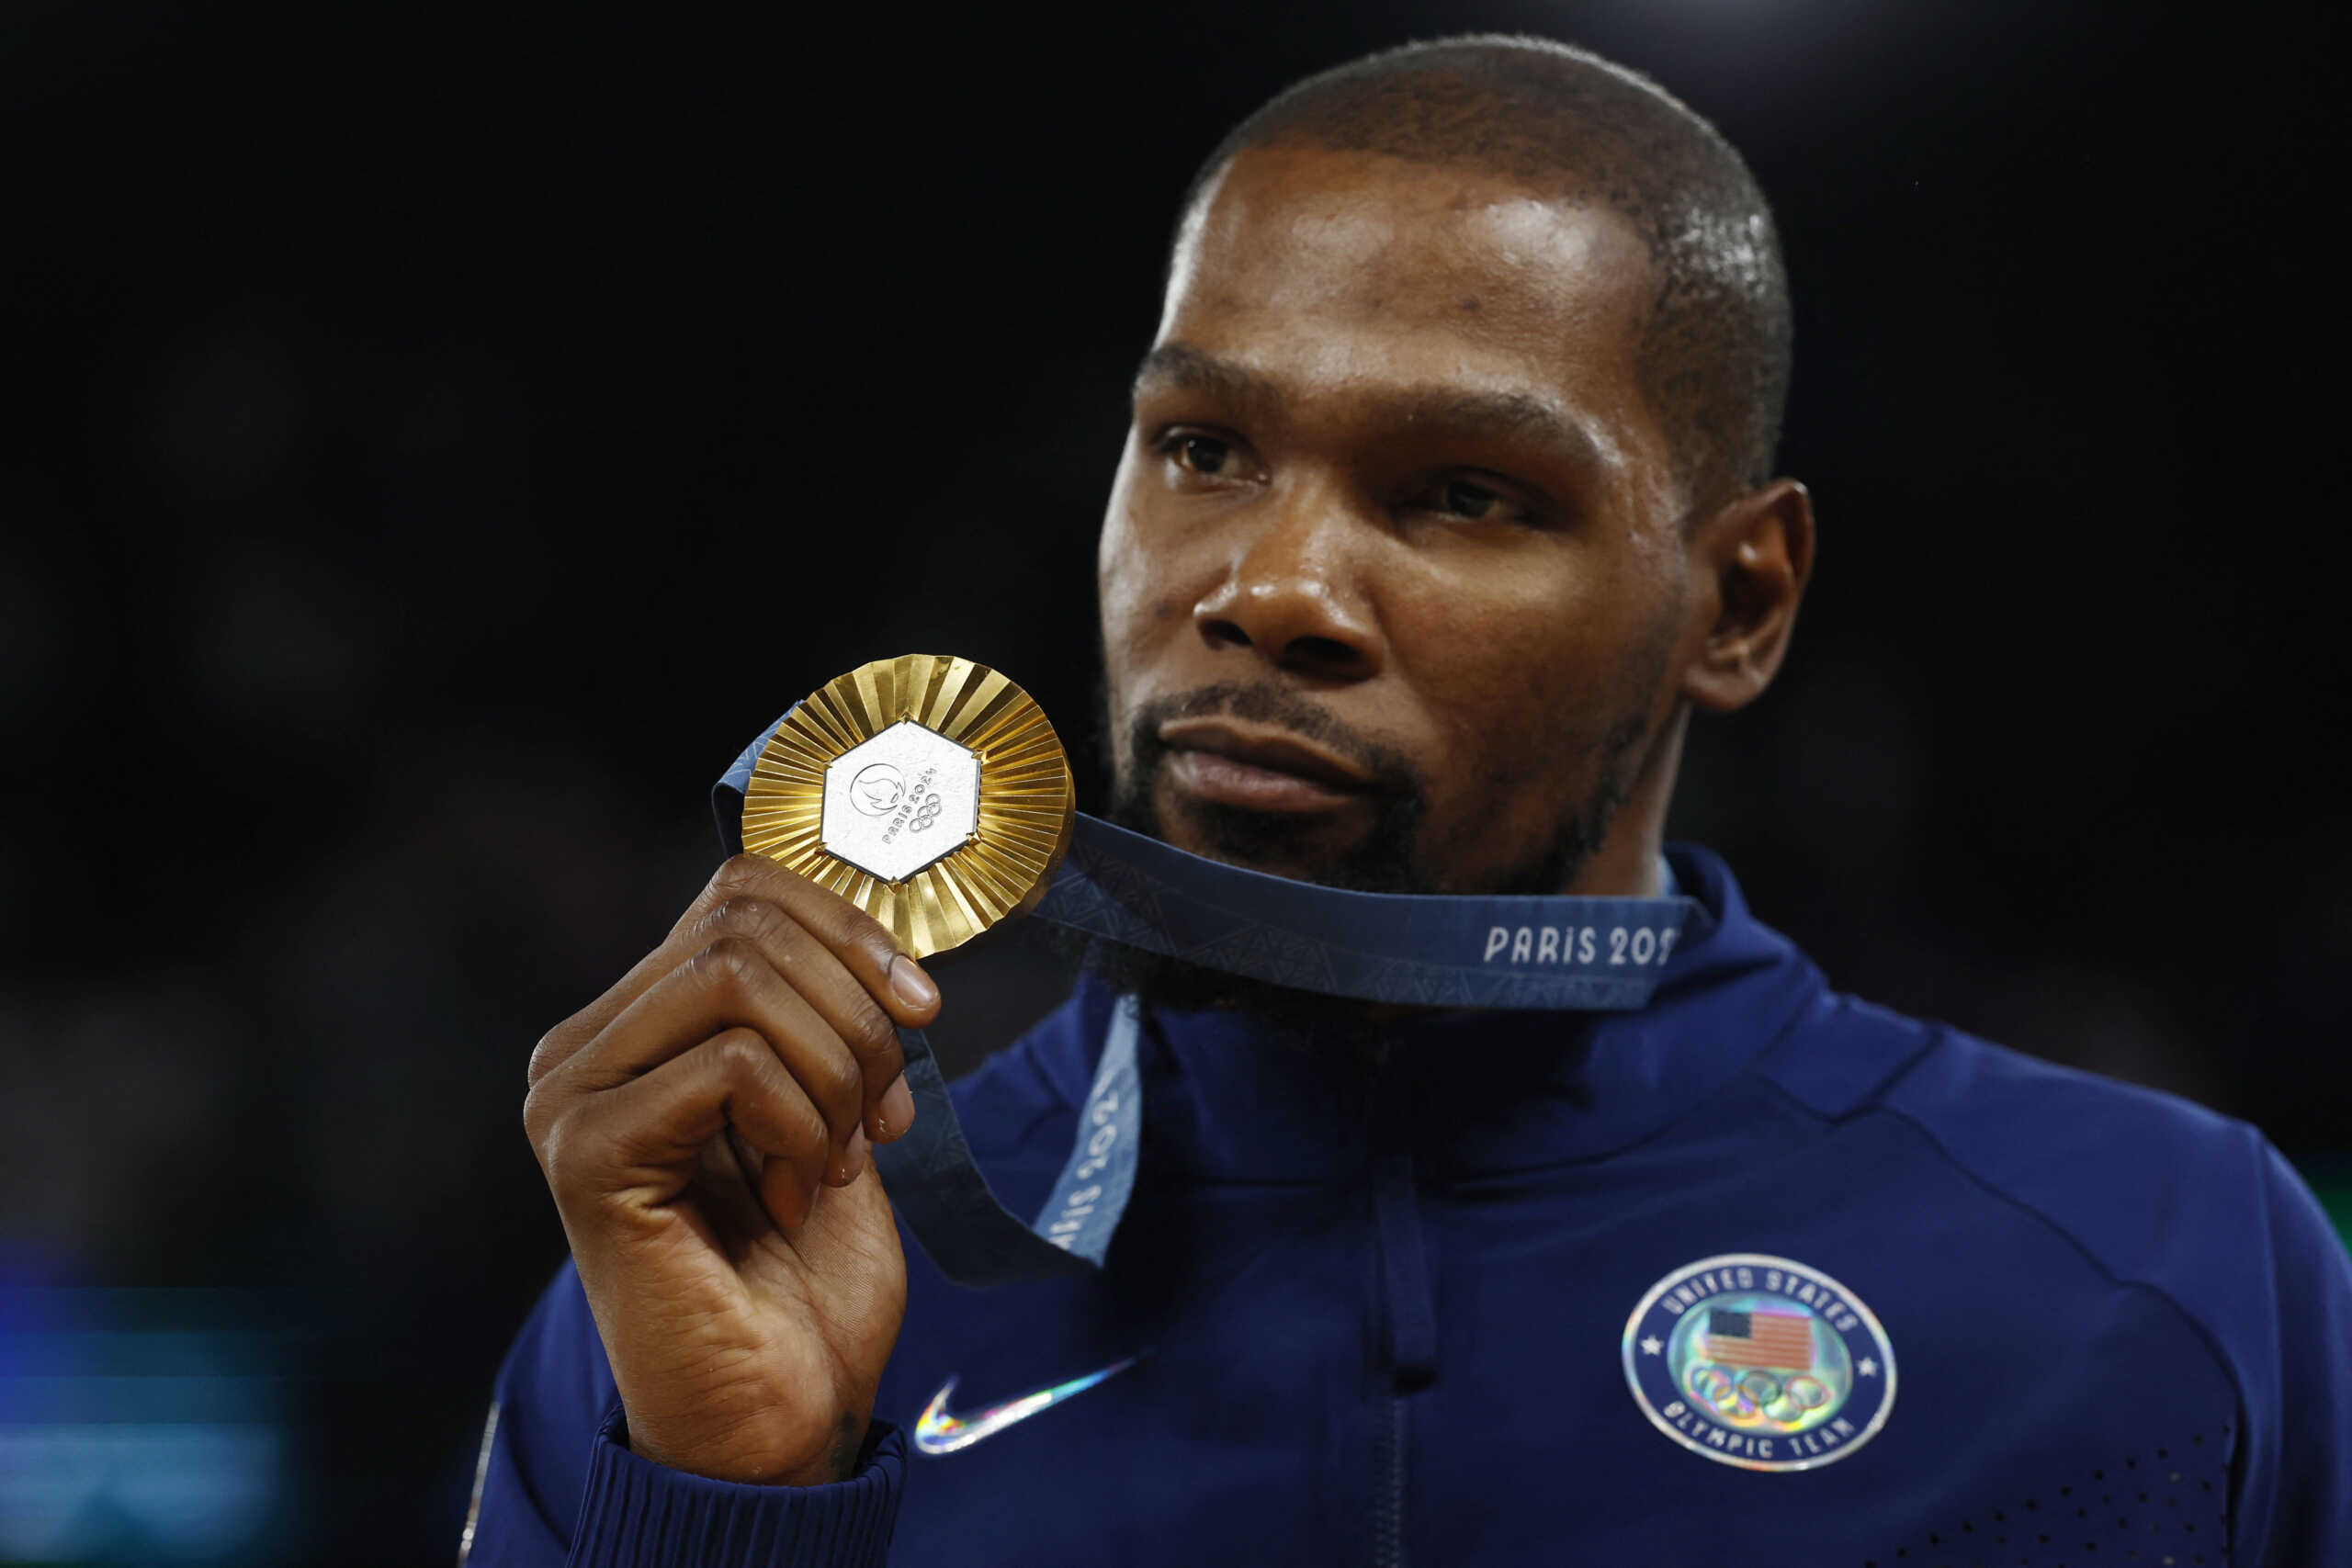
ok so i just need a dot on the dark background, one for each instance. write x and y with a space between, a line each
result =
438 436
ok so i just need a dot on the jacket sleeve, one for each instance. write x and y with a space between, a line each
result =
558 1487
2295 1498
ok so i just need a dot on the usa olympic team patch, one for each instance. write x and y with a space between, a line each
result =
1760 1362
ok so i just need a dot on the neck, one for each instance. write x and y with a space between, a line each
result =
1626 865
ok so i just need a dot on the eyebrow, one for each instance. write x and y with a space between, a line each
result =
1423 407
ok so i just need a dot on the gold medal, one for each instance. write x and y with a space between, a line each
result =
927 790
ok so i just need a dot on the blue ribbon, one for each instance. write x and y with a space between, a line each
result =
1407 949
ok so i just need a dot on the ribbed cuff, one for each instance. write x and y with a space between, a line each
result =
637 1513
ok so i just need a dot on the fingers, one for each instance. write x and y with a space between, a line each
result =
644 1138
818 973
729 985
863 945
840 960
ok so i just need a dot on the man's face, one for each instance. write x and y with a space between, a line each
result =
1391 582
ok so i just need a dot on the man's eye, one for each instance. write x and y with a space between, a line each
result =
1466 500
1204 454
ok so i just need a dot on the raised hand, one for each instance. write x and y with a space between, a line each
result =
703 1125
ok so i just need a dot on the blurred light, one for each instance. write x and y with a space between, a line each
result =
134 1429
2331 1178
2338 1204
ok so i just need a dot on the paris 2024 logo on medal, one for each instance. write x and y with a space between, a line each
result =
1760 1362
878 789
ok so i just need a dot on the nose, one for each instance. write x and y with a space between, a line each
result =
1294 595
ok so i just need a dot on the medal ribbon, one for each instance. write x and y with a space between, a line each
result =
1414 950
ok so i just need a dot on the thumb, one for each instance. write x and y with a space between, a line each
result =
849 1253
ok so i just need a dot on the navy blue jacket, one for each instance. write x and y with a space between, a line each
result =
1409 1311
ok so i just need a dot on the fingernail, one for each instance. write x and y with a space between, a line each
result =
911 985
897 1111
853 1162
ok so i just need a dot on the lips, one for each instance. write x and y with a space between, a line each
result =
1234 764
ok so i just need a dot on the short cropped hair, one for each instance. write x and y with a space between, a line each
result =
1715 351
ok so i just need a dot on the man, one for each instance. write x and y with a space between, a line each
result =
1446 502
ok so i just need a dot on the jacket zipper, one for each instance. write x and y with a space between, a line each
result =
1389 1482
1407 1316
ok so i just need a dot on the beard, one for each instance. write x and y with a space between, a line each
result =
1397 855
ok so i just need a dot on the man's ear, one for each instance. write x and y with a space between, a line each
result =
1749 561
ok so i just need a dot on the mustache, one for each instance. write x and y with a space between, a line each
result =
1390 770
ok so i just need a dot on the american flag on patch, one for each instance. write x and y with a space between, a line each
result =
1758 1339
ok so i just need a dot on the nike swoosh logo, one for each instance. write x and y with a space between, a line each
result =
938 1432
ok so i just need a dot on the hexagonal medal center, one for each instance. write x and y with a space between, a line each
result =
897 803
